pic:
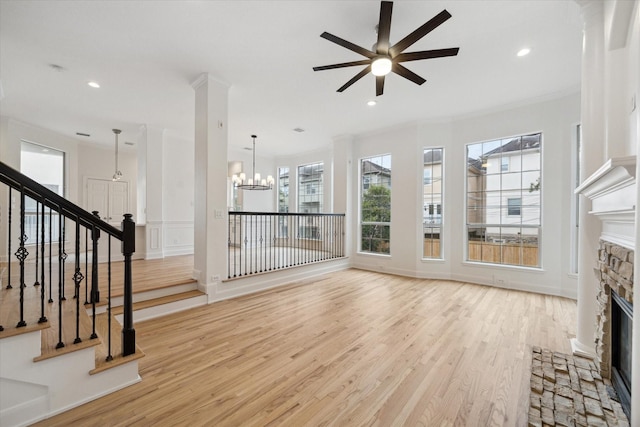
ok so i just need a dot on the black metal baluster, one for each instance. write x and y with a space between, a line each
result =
109 355
77 278
273 242
9 244
86 265
261 240
254 259
64 255
229 247
60 278
241 247
36 283
95 293
43 318
50 258
21 255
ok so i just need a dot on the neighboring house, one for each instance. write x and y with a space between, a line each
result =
432 188
310 184
374 174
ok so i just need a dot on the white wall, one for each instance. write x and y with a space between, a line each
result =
555 118
178 187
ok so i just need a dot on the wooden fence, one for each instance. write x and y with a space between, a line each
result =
497 253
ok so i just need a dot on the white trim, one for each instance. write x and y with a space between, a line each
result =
615 174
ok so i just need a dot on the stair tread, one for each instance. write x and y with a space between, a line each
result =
51 337
104 301
160 301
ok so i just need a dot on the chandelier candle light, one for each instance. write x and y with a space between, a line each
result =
118 174
255 183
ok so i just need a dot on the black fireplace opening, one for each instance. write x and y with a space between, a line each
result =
621 333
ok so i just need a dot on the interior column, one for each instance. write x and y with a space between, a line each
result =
591 158
210 201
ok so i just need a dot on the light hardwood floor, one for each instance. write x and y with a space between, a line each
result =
347 348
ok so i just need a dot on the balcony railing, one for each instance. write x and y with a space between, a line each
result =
262 242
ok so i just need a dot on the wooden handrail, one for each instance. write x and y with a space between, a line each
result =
36 191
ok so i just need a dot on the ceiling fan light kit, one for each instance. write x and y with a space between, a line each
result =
383 58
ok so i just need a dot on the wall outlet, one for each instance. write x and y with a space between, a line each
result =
500 281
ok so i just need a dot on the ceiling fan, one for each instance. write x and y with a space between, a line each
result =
383 58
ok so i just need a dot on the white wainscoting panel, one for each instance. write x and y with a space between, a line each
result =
178 238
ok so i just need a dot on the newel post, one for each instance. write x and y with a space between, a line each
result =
128 248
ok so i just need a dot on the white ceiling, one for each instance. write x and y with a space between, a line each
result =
145 54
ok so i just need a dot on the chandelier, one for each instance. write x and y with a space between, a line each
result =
118 174
255 183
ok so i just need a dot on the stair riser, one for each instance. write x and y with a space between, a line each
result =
165 309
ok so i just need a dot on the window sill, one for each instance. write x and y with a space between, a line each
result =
504 267
372 254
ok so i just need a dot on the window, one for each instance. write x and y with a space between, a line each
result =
375 204
503 212
426 177
283 189
283 201
310 188
432 202
513 206
504 164
46 166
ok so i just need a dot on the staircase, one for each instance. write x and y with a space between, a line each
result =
37 380
57 350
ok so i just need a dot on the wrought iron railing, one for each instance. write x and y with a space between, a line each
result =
45 233
261 242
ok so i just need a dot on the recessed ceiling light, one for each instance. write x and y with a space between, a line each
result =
524 51
94 85
299 130
371 103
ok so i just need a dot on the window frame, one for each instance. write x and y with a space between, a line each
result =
511 206
30 204
434 206
485 225
361 191
317 186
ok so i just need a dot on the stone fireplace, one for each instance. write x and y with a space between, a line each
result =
612 191
615 274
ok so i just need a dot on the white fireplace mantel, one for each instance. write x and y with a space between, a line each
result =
612 191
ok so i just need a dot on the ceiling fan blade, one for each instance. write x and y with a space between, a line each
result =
384 27
346 44
407 74
342 65
426 54
379 85
419 33
355 78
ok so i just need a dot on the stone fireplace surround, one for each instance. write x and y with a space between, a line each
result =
615 272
